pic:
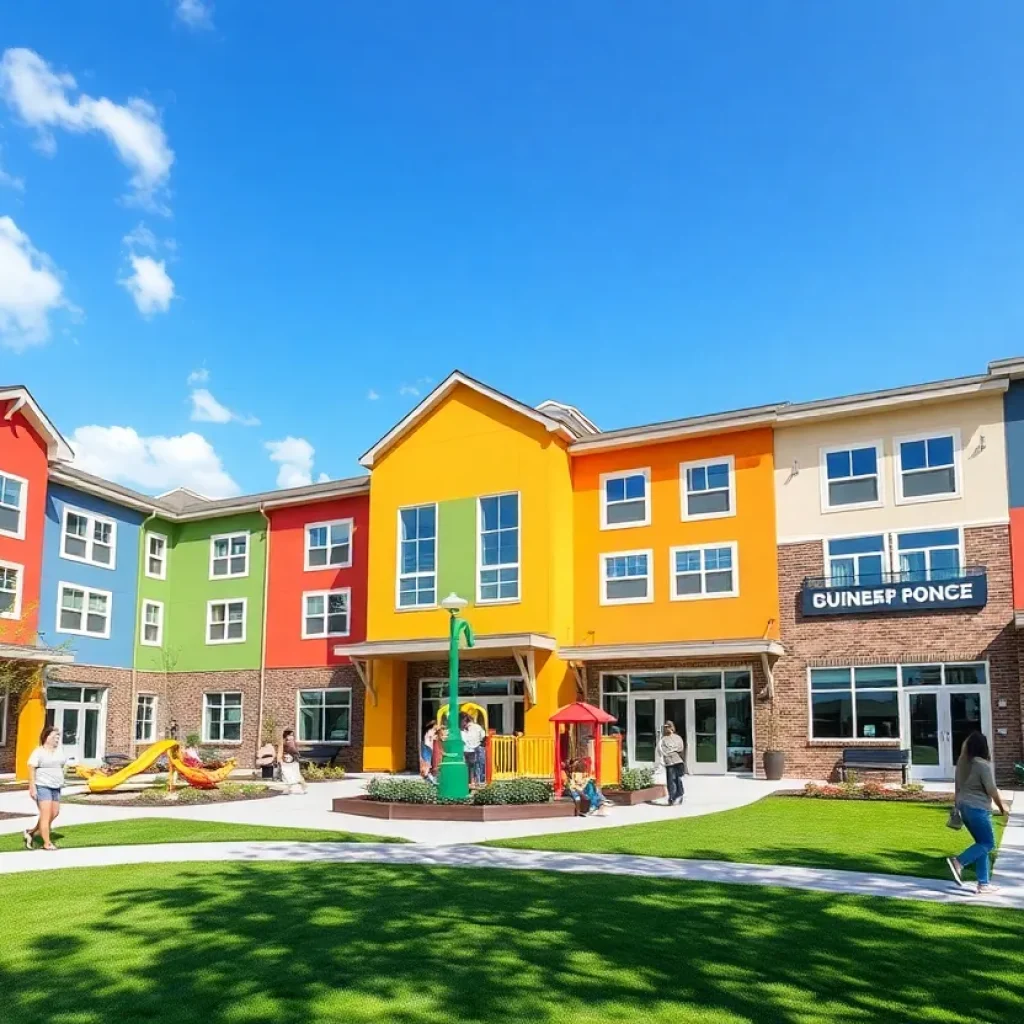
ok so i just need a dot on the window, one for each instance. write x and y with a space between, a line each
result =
325 613
851 477
498 550
325 716
927 467
3 717
152 623
13 495
929 555
625 499
156 556
708 488
229 556
145 718
626 578
855 561
859 703
10 590
222 718
329 545
83 610
417 557
225 622
704 572
87 537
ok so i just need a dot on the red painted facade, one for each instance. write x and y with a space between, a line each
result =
1017 555
289 580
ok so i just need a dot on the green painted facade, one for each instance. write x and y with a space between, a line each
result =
456 548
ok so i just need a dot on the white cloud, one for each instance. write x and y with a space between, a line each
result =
417 388
8 180
40 97
294 455
409 389
372 395
195 13
322 478
149 285
206 408
30 290
140 237
152 463
200 376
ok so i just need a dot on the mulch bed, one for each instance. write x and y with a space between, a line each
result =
367 808
7 816
128 800
895 798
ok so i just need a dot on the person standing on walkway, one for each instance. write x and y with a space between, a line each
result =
473 736
46 766
288 758
671 753
974 795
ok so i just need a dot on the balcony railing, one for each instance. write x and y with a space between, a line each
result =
888 579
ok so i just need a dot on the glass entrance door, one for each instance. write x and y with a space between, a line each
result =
939 722
698 718
80 722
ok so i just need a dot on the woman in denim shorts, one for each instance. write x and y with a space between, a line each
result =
45 778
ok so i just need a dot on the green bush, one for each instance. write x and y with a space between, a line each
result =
636 778
188 795
322 772
253 789
402 791
152 796
416 791
515 791
912 787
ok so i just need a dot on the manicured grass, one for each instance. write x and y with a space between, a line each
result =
895 838
319 943
145 831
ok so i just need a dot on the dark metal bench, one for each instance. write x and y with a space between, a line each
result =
319 754
885 759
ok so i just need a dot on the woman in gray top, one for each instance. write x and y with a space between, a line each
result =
46 766
975 793
671 753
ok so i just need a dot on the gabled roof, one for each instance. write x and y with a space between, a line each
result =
399 430
17 398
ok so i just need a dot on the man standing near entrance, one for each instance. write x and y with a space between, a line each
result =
473 736
672 754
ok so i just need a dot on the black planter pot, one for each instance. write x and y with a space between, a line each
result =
774 764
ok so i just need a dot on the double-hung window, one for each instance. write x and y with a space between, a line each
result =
625 499
13 494
926 467
856 561
857 703
329 545
87 537
626 577
225 622
929 555
83 610
851 477
145 718
156 556
229 556
11 576
498 551
152 623
325 613
709 571
325 716
417 557
222 717
709 489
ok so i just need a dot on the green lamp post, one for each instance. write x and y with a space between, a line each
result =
453 777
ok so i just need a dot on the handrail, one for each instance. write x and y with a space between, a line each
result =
879 579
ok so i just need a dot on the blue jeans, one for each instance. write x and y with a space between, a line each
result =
594 797
979 824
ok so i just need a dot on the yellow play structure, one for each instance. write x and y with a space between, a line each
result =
198 778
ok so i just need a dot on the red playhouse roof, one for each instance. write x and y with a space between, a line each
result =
582 714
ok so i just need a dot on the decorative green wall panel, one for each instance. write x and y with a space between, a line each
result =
456 549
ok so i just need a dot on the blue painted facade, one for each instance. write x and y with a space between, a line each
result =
121 581
1013 410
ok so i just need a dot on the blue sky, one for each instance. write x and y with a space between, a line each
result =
648 210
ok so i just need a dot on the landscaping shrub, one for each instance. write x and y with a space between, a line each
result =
636 778
416 791
322 772
912 792
515 791
152 796
188 795
402 791
912 787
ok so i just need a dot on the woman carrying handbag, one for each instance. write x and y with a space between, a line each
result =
671 753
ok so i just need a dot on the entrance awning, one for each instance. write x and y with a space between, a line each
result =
41 655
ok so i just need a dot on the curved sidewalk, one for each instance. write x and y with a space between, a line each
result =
815 879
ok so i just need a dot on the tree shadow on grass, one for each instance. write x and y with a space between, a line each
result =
312 943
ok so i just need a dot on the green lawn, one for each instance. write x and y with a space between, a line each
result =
144 831
895 838
321 943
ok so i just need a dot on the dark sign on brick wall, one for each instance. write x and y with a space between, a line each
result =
894 593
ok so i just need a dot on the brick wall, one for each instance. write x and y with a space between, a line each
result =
118 684
7 751
984 634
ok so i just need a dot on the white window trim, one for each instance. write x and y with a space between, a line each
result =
602 568
135 720
325 594
323 689
684 514
885 552
159 626
645 472
399 575
241 724
229 537
147 556
91 519
15 613
328 523
517 565
703 596
879 472
893 546
244 601
18 534
897 462
61 585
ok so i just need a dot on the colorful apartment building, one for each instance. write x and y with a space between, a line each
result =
807 577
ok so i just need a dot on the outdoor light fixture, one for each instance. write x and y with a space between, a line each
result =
453 603
453 775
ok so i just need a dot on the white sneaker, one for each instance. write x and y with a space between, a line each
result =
984 890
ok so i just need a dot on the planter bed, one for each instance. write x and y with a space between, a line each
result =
894 797
629 797
130 798
8 815
367 808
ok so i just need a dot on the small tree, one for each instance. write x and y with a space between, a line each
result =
19 678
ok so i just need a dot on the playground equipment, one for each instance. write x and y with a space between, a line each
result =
578 738
197 777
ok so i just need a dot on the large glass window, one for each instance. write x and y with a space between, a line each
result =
625 499
927 466
704 572
229 556
739 724
10 590
325 716
13 491
501 696
499 548
851 476
417 557
928 555
859 703
84 611
708 489
626 577
856 561
222 717
87 537
329 545
325 613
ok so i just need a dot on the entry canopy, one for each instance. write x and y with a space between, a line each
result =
582 714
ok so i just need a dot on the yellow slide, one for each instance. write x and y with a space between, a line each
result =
99 783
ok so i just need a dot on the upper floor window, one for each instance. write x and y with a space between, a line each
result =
856 561
225 622
708 488
625 499
152 623
329 545
229 556
13 492
926 467
222 717
704 572
417 557
626 577
156 556
851 477
929 555
83 610
325 613
87 537
10 590
498 567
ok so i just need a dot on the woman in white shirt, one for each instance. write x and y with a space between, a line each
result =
45 778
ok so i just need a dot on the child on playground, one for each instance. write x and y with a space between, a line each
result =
580 783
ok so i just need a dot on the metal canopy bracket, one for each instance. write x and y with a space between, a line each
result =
581 683
768 662
365 672
525 664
